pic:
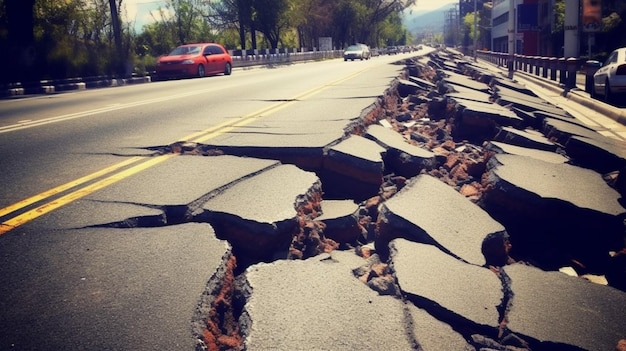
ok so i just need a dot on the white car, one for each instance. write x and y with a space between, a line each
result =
610 79
357 52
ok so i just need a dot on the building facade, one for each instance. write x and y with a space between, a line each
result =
534 21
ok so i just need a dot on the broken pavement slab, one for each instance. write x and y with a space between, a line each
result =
429 211
555 212
562 130
402 157
318 304
341 220
106 289
504 148
510 84
424 84
357 157
554 181
109 214
258 215
456 79
482 119
553 307
463 295
525 138
159 186
602 154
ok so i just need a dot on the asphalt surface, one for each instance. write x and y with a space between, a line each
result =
117 271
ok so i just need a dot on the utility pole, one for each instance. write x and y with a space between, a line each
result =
475 29
571 47
511 38
117 36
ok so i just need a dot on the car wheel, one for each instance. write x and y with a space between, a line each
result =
201 71
228 69
608 97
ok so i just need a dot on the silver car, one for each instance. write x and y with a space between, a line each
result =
357 52
610 79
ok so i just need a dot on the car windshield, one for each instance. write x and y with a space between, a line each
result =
185 50
353 48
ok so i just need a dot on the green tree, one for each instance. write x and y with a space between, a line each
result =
271 18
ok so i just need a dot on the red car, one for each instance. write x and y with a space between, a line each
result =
195 60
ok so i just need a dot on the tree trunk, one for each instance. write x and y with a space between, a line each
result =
19 61
120 60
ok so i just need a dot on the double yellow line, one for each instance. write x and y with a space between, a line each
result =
132 166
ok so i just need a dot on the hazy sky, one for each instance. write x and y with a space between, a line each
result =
144 11
432 4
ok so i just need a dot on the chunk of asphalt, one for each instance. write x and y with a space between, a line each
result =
181 180
508 83
341 220
318 304
300 142
578 186
407 87
561 131
525 138
529 117
424 84
87 289
602 154
556 212
553 307
465 81
527 105
356 157
484 117
502 91
463 295
504 148
433 334
429 211
563 116
258 215
472 95
402 157
88 213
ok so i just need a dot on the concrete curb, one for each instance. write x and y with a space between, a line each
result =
84 83
578 96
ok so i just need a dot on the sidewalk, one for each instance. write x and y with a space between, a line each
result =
609 120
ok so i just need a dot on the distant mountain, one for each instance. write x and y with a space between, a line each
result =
422 21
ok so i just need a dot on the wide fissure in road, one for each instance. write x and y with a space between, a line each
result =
411 220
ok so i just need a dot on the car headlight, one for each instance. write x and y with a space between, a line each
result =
187 62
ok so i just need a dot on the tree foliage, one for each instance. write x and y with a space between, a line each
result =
47 39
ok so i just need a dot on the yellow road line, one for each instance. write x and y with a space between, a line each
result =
46 194
73 196
201 136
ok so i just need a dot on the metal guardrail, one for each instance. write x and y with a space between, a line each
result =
280 56
241 59
559 69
